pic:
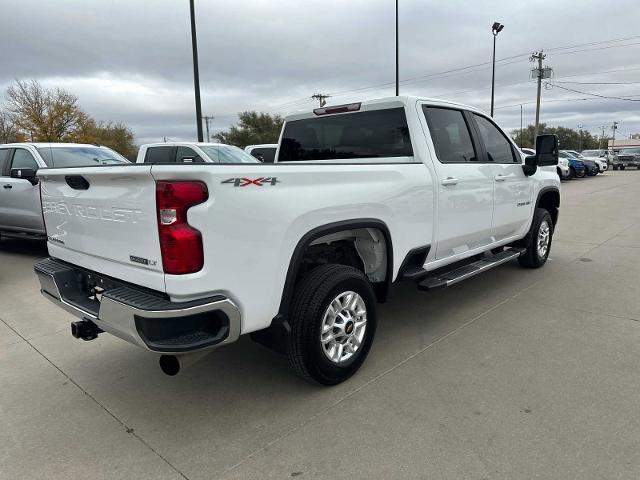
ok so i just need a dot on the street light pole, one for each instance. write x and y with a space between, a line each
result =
397 55
496 28
196 74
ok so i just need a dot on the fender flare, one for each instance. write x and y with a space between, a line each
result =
320 231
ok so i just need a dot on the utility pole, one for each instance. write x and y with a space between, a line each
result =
397 55
520 125
580 127
206 122
196 74
614 127
539 73
321 98
601 138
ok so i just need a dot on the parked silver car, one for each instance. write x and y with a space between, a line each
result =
20 210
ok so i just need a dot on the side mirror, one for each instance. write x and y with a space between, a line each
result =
546 150
187 160
546 154
28 174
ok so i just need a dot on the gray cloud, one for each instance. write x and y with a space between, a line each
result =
131 61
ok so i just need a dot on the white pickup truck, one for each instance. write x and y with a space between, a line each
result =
180 259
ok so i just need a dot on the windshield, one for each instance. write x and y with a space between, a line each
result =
565 154
227 154
629 150
80 156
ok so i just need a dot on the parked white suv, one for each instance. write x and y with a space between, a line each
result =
20 209
180 259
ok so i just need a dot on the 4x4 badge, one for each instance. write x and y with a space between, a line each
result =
243 182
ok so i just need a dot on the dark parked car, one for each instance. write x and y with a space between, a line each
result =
627 157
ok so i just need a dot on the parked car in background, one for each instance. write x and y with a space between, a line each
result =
594 153
577 168
564 172
627 157
20 210
601 162
265 152
528 151
192 152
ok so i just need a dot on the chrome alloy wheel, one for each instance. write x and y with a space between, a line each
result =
544 237
343 327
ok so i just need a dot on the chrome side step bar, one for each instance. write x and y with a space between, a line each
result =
446 279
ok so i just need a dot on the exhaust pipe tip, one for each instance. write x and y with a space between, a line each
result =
170 365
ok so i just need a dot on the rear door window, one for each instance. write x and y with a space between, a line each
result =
372 134
186 152
450 135
160 155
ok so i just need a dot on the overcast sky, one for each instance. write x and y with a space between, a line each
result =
130 61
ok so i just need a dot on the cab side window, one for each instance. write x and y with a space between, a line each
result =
450 135
498 147
23 159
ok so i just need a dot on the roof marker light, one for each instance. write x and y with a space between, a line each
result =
351 107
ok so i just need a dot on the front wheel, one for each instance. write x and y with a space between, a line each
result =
622 167
333 322
538 240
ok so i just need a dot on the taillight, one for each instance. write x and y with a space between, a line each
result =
180 243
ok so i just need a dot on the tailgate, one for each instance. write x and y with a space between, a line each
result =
104 219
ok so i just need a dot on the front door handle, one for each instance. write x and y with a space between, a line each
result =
8 185
499 178
449 181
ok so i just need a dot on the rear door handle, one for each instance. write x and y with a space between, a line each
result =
499 178
449 181
8 185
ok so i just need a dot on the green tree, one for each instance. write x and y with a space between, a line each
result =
252 128
116 136
568 138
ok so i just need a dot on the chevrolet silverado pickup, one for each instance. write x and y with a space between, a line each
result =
181 259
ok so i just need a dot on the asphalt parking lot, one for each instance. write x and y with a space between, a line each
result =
512 374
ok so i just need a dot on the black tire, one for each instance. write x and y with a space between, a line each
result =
531 257
615 167
622 167
313 295
572 173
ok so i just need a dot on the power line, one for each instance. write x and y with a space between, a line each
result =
474 68
594 94
602 83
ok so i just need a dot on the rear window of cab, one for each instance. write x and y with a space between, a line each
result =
368 134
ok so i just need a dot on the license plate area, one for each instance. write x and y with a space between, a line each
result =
83 289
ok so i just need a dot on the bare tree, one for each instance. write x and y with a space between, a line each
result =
8 129
44 114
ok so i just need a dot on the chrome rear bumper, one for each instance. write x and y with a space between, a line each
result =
142 317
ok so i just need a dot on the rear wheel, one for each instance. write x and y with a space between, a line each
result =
572 173
333 322
538 240
622 167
